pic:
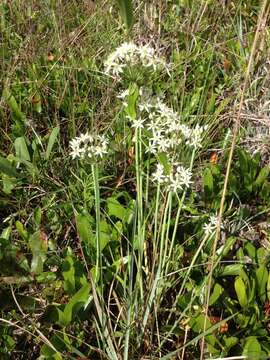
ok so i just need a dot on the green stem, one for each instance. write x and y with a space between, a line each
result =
180 206
159 269
140 238
155 245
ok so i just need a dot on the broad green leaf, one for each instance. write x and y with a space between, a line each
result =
230 342
105 234
22 149
7 168
262 278
241 293
224 249
21 230
8 184
38 245
115 208
37 215
126 11
31 168
51 353
74 305
240 255
51 142
251 250
46 277
68 272
262 255
83 223
197 325
6 232
231 270
217 291
252 348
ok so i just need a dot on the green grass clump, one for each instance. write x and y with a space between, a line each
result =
116 130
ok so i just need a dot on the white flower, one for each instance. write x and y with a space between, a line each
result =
186 131
137 123
145 106
159 175
163 144
100 151
76 150
124 94
211 225
184 175
194 136
153 126
151 148
86 138
178 178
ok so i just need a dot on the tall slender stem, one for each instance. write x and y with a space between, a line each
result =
180 206
140 237
98 274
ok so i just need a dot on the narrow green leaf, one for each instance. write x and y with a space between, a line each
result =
268 286
243 162
208 182
13 105
263 174
51 142
132 99
126 12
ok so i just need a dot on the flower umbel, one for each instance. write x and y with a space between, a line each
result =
178 179
211 226
130 54
88 146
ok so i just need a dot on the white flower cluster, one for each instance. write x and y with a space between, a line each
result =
166 131
88 146
130 54
178 178
211 226
194 135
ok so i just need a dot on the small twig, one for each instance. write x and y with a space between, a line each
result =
16 302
